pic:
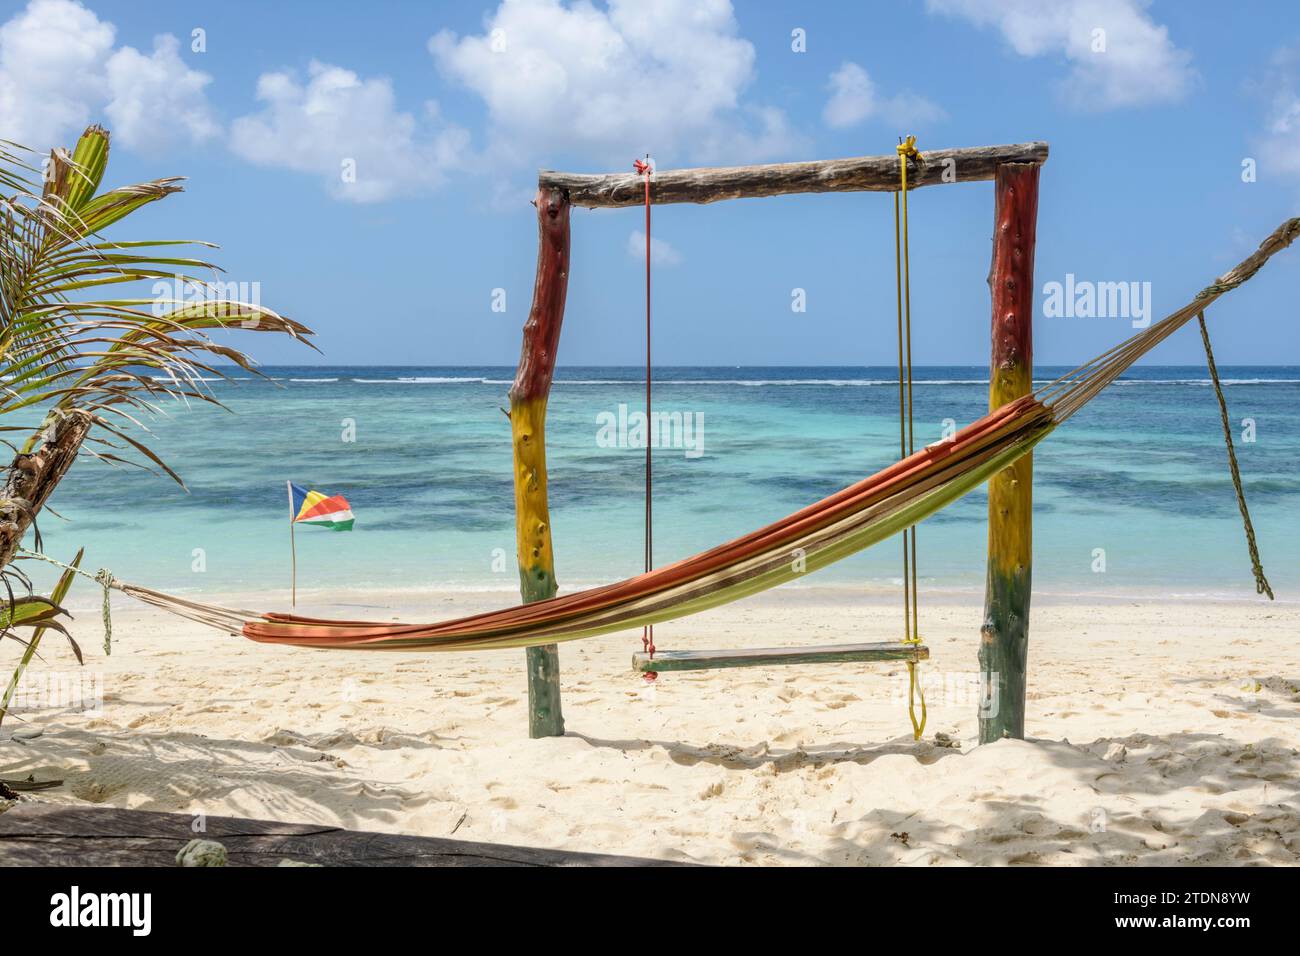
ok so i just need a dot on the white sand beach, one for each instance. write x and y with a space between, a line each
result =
1161 732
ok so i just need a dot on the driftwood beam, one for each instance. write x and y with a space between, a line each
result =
858 174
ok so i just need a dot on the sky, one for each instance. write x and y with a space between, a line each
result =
1174 133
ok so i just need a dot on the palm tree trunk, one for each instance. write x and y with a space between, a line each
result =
32 477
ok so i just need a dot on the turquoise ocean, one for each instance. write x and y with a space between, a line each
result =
1137 483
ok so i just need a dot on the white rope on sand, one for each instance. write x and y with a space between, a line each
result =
231 620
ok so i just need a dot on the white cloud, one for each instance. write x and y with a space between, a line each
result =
59 71
1139 65
51 61
664 78
854 98
337 124
1279 147
157 100
661 253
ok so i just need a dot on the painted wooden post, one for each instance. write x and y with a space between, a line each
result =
528 398
1004 637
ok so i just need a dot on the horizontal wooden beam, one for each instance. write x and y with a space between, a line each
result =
769 656
859 174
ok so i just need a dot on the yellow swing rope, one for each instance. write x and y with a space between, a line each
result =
906 437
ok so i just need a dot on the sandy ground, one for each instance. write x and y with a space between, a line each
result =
1160 733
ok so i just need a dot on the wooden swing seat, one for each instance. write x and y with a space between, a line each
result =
771 656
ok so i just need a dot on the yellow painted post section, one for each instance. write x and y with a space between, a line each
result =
536 560
1011 491
532 515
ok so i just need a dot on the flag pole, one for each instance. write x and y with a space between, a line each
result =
293 552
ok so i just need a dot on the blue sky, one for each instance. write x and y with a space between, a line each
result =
1144 183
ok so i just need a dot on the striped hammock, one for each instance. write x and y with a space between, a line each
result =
857 517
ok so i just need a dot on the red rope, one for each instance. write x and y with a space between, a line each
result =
648 633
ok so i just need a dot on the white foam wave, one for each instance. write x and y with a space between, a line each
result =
422 380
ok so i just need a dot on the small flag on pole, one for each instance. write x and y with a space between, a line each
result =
312 507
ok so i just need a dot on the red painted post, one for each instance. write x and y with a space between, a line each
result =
528 399
1004 637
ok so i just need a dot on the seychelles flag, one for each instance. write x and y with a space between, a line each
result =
312 507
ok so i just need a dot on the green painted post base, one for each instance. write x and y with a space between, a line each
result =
545 719
545 716
1004 655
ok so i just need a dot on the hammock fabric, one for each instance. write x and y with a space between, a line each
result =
846 522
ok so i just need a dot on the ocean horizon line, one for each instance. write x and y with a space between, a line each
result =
824 376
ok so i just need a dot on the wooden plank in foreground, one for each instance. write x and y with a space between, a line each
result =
46 834
858 174
769 656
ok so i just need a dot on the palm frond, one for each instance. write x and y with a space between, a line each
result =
40 621
104 362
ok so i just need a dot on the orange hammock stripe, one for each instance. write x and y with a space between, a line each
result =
934 465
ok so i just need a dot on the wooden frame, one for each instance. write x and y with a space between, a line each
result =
1011 284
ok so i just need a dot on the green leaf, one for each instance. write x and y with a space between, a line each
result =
28 611
107 208
90 159
55 599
